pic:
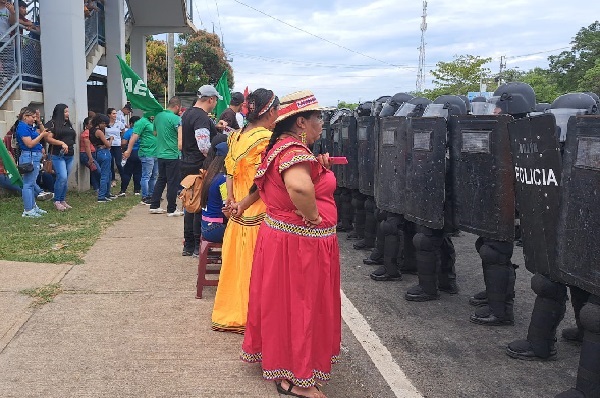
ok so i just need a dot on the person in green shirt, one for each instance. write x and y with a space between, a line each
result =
143 131
167 125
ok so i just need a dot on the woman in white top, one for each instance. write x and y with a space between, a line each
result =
115 129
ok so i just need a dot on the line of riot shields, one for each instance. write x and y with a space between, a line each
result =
434 173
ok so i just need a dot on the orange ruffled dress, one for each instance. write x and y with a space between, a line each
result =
294 314
231 301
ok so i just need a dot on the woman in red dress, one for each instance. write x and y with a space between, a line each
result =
294 312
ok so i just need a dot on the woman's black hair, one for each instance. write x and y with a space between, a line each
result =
96 121
257 101
218 138
216 166
58 116
85 122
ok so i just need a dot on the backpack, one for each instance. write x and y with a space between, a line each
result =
190 194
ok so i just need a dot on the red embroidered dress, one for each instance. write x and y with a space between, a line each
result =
294 311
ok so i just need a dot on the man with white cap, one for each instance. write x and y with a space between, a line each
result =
198 130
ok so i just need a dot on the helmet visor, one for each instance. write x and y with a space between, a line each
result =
405 109
436 110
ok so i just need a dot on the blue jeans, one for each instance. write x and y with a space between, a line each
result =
94 175
104 159
213 231
62 168
6 184
29 186
149 175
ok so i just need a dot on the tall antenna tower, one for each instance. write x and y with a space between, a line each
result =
421 72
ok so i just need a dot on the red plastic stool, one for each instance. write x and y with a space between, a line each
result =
210 254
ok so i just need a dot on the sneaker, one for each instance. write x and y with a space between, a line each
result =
111 196
103 200
157 211
66 205
121 194
39 211
137 193
59 206
176 213
146 201
45 196
31 214
184 253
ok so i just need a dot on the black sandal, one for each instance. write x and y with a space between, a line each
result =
289 392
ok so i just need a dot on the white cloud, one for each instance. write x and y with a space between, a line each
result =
387 30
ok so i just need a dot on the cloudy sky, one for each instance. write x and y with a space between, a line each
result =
366 49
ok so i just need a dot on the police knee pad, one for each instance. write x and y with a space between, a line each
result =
544 287
388 227
590 318
490 255
422 242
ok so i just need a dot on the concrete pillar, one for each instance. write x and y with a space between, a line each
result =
63 67
115 45
137 51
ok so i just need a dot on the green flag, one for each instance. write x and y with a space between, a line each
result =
10 166
223 89
137 92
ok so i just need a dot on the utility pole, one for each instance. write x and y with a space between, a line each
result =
421 71
170 65
501 72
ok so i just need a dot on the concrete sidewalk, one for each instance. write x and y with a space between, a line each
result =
127 324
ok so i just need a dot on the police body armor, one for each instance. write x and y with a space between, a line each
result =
336 150
426 139
483 201
367 142
537 172
390 175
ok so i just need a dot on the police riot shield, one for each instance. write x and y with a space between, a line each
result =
367 142
336 150
325 142
349 140
390 176
578 251
537 166
426 171
483 176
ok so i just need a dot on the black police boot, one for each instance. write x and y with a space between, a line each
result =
478 299
359 214
353 235
447 274
370 226
427 264
346 213
390 255
376 257
499 283
578 299
548 311
588 374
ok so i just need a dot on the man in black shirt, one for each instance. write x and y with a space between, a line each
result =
197 132
229 114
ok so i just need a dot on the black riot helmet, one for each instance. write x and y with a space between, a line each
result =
568 105
364 109
542 107
596 98
445 106
394 103
413 108
378 105
467 102
515 98
339 114
479 98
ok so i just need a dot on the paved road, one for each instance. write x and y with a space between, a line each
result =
128 325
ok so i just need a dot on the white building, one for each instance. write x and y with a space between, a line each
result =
57 66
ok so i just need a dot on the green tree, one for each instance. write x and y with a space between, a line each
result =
156 58
460 76
199 60
591 79
570 67
543 83
348 105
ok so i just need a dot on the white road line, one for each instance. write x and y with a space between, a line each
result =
381 357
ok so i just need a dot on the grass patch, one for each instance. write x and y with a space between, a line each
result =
57 237
44 294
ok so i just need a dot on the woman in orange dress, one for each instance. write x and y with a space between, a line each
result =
244 156
294 314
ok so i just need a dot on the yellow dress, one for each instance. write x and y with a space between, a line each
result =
231 301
